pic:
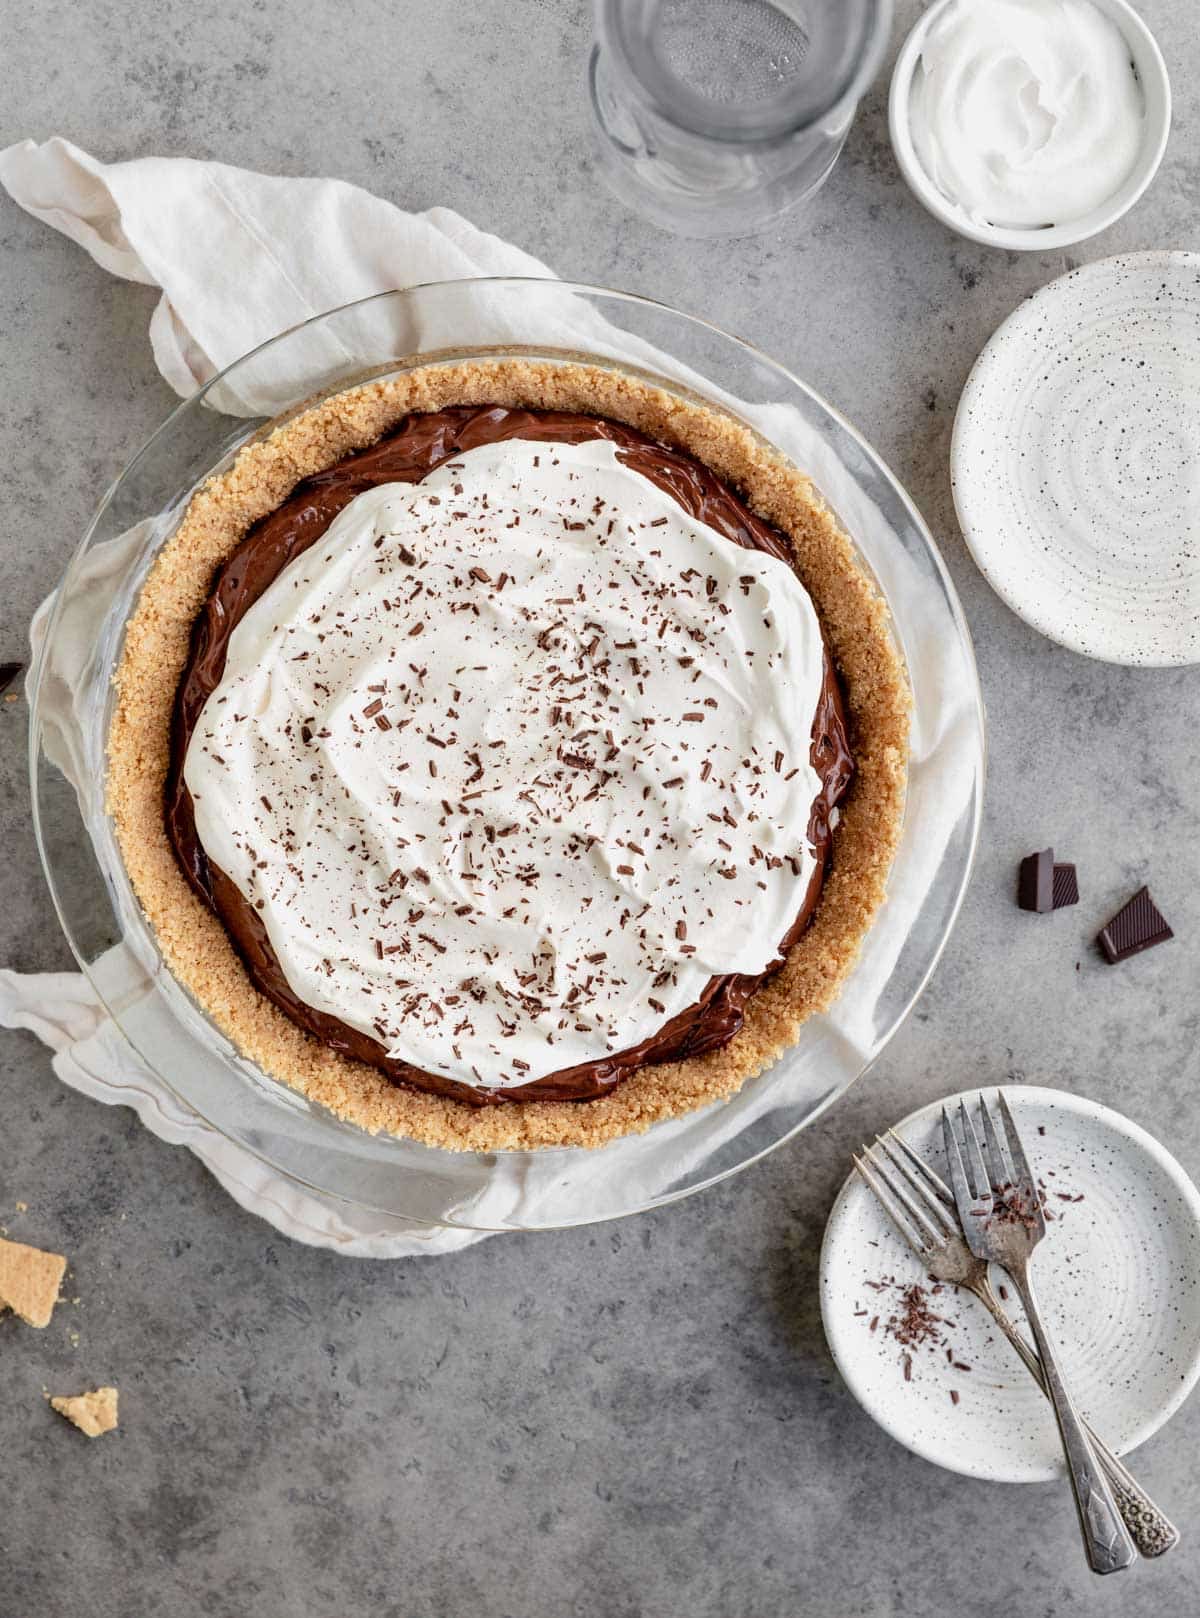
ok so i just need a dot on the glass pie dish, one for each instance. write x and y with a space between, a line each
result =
382 337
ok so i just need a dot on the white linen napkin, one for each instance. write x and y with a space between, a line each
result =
240 257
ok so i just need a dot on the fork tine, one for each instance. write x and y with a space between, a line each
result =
922 1195
980 1184
899 1189
1000 1166
1023 1174
958 1173
892 1208
934 1181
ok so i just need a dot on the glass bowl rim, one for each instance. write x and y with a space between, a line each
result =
565 287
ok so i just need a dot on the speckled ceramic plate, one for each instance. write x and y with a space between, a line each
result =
1075 461
1118 1276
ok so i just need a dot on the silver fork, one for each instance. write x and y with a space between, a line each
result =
920 1205
1002 1219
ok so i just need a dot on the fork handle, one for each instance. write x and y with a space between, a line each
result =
1152 1530
1109 1547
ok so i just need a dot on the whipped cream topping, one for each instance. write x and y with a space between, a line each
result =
1026 113
514 760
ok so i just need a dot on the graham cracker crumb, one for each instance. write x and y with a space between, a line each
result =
29 1281
93 1413
193 941
22 1207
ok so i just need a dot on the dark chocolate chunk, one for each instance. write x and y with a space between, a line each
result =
1138 925
1066 886
1035 885
8 673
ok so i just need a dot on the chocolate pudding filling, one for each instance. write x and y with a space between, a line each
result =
420 444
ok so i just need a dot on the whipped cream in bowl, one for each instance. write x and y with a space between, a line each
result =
1029 124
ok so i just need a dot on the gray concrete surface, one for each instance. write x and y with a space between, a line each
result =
640 1420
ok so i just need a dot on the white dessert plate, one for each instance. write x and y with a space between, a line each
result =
1075 461
1117 1274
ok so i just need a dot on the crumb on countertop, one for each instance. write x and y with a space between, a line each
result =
29 1281
93 1413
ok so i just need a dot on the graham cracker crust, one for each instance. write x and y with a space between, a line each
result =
193 942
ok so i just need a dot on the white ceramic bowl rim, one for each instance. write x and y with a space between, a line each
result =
1156 87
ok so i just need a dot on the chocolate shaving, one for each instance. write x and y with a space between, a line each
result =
915 1323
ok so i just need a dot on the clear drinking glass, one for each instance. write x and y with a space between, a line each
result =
713 117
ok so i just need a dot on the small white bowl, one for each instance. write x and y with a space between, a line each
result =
1156 87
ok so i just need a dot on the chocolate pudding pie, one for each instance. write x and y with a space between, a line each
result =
509 753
